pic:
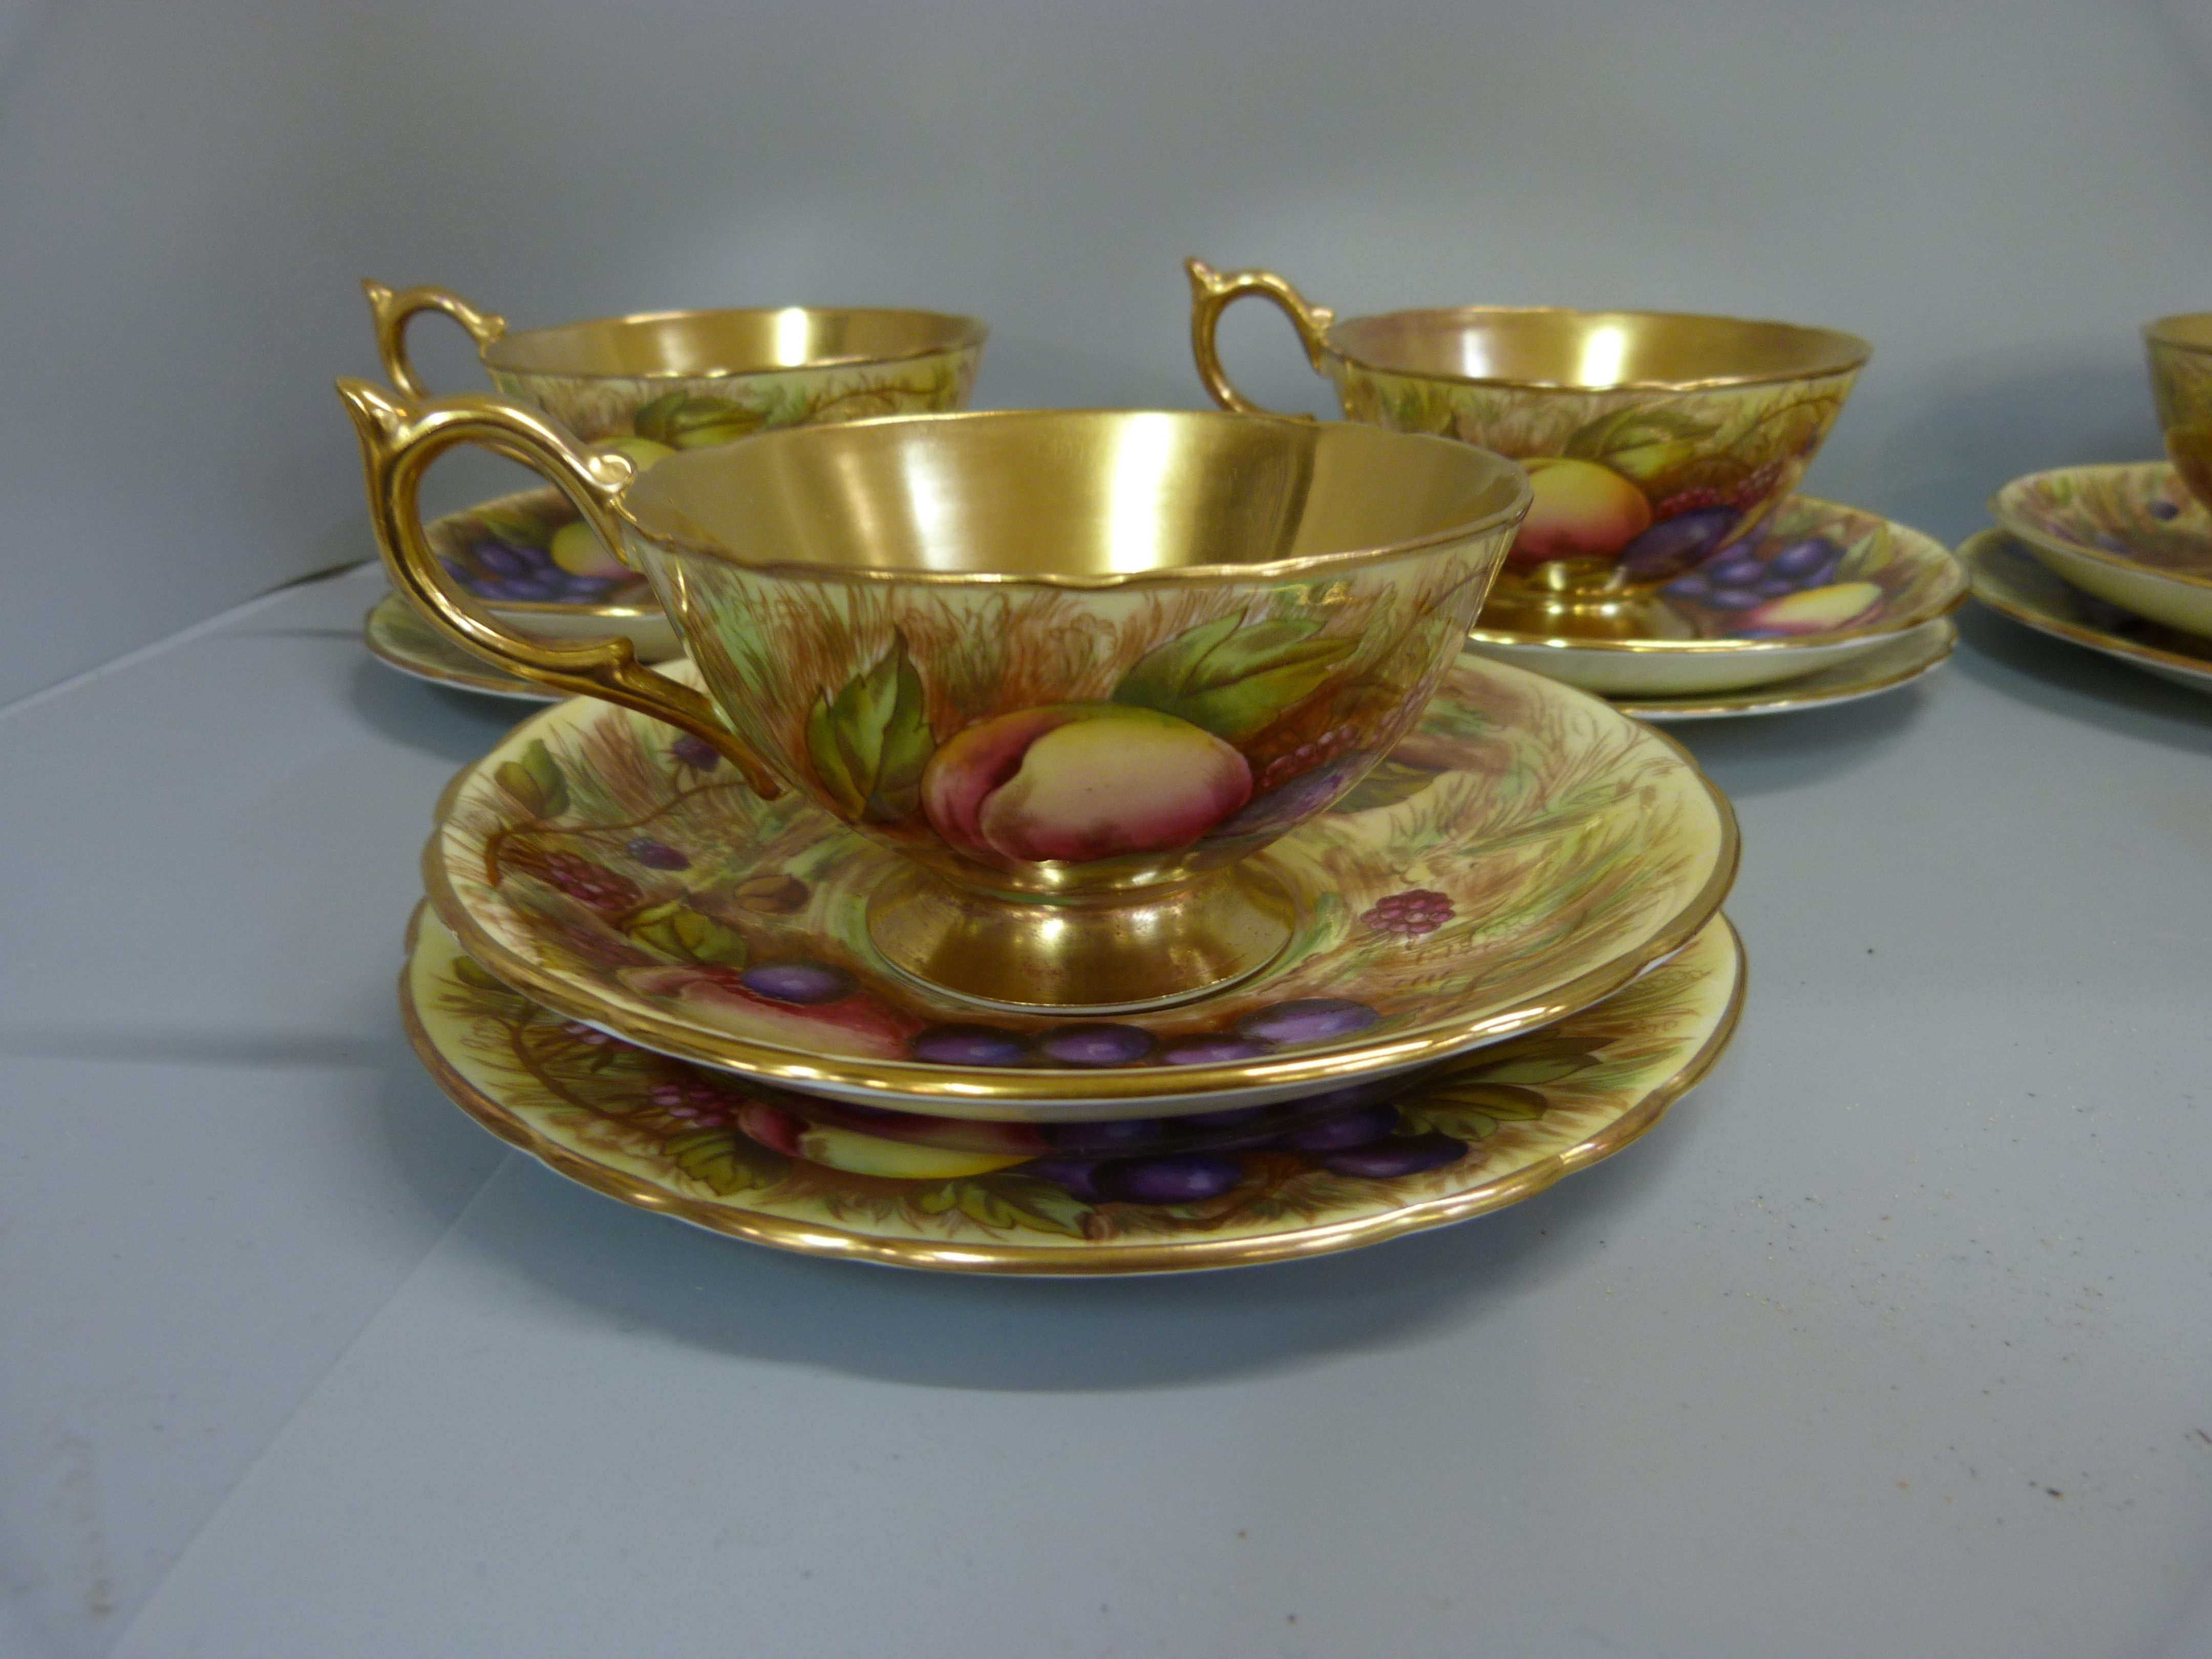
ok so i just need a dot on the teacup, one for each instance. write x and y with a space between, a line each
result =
1653 439
1078 667
2180 349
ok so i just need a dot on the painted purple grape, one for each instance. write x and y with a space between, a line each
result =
1735 598
656 854
1296 801
502 559
694 752
1307 1019
1773 587
798 980
1095 1042
970 1045
1107 1137
1231 1117
1692 586
1678 543
1212 1050
1345 1130
1738 569
1394 1155
1184 1178
1078 1175
1806 563
532 588
2162 509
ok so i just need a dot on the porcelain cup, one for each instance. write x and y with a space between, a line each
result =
1654 439
2180 350
1078 667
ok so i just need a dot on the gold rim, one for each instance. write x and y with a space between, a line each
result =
813 1239
949 1086
491 681
2024 530
1466 530
969 334
1771 698
1853 350
1946 598
1979 547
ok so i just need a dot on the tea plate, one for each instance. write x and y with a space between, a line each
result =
397 636
1527 852
1815 585
2010 580
2130 534
1470 1136
1891 663
509 553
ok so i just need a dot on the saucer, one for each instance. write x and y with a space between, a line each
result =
397 636
1527 852
1897 660
1816 584
1470 1136
2130 534
2008 579
508 553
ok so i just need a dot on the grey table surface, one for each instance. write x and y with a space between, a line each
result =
1894 1339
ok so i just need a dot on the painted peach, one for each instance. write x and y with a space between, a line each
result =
579 551
1580 510
1075 781
1817 609
859 1154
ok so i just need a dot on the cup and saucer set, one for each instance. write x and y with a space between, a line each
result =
2118 557
1085 842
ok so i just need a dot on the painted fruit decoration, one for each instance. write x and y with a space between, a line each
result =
1178 750
1784 588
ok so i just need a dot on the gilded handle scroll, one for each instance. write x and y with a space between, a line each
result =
391 309
1211 293
398 441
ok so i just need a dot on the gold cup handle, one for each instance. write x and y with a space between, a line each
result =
398 441
1211 293
391 310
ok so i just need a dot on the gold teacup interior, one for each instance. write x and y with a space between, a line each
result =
716 342
1092 494
1593 350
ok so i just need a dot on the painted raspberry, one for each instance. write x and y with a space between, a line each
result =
1755 486
588 882
696 1103
1688 500
1307 756
1416 911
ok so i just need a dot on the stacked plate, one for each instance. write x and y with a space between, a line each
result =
2117 558
1509 959
1822 604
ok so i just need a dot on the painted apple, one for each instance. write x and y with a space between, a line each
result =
858 1023
579 551
1579 510
1816 610
1074 781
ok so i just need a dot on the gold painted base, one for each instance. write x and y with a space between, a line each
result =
1620 612
1091 958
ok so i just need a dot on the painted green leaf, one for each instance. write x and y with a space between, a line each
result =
1024 1201
1863 554
474 977
676 929
1233 681
535 782
870 742
723 1161
683 421
1390 782
515 525
1627 430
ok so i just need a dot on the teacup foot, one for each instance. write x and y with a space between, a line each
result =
1087 958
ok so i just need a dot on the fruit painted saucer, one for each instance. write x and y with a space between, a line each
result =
1470 1136
397 636
1526 853
535 563
1816 584
2130 534
2010 580
1893 662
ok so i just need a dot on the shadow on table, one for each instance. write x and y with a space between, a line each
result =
2076 682
456 725
946 1330
1757 754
